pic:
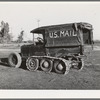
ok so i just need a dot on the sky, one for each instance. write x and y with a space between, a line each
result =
25 15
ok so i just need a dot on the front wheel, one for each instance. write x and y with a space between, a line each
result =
15 60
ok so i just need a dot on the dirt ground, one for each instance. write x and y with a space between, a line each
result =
88 78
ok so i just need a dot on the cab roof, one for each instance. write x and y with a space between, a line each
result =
42 29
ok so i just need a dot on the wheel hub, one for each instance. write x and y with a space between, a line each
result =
60 67
32 64
46 64
14 59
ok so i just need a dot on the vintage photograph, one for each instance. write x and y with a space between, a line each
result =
50 45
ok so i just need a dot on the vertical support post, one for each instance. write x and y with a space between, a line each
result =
80 37
33 39
92 42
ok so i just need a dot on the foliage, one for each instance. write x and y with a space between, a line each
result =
20 37
5 36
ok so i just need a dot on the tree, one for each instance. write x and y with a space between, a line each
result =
2 29
5 36
20 37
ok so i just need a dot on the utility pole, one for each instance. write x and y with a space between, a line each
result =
38 25
38 22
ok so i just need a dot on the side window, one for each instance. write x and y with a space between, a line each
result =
36 36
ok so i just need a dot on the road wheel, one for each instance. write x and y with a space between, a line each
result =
32 64
46 65
59 67
15 60
81 64
78 63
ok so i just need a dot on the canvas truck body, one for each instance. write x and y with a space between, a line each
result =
66 38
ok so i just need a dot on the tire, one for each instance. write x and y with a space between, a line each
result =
32 64
15 60
60 67
46 65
